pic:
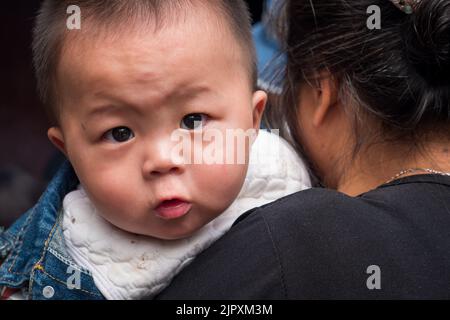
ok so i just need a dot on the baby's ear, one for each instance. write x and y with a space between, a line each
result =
57 138
259 103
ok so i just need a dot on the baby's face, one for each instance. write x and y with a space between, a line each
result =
121 102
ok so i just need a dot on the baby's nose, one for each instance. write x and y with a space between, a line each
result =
162 161
164 170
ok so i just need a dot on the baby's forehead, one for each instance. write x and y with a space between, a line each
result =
148 22
139 53
204 26
150 70
132 49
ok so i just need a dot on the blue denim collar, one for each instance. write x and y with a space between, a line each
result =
28 239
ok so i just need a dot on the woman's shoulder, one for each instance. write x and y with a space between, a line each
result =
407 198
327 242
260 255
320 243
308 204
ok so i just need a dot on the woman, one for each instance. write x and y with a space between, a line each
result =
370 109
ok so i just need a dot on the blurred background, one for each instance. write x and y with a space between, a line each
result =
27 159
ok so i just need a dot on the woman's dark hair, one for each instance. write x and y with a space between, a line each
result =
398 75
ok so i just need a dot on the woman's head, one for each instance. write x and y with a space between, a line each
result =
392 83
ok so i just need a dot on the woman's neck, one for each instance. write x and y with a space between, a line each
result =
380 164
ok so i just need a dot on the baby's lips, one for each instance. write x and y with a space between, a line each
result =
173 208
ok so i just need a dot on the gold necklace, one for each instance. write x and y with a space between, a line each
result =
412 170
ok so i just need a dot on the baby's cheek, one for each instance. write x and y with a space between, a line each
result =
219 185
112 192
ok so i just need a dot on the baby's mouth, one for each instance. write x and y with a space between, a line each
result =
173 208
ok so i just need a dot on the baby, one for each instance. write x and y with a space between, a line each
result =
122 91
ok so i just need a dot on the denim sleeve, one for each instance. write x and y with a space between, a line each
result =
8 236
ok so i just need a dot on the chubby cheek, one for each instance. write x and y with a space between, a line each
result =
218 185
114 190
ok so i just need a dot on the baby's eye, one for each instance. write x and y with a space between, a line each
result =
119 134
193 121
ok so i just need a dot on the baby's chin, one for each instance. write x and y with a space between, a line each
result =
175 236
175 230
171 235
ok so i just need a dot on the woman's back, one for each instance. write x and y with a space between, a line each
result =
392 242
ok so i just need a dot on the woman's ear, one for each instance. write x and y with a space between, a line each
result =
259 104
57 138
326 98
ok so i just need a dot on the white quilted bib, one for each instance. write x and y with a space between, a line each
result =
127 266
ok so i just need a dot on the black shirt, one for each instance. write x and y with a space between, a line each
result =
322 244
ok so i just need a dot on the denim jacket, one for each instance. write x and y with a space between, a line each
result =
33 250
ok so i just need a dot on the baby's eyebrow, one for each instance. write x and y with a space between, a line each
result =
186 93
108 108
183 94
